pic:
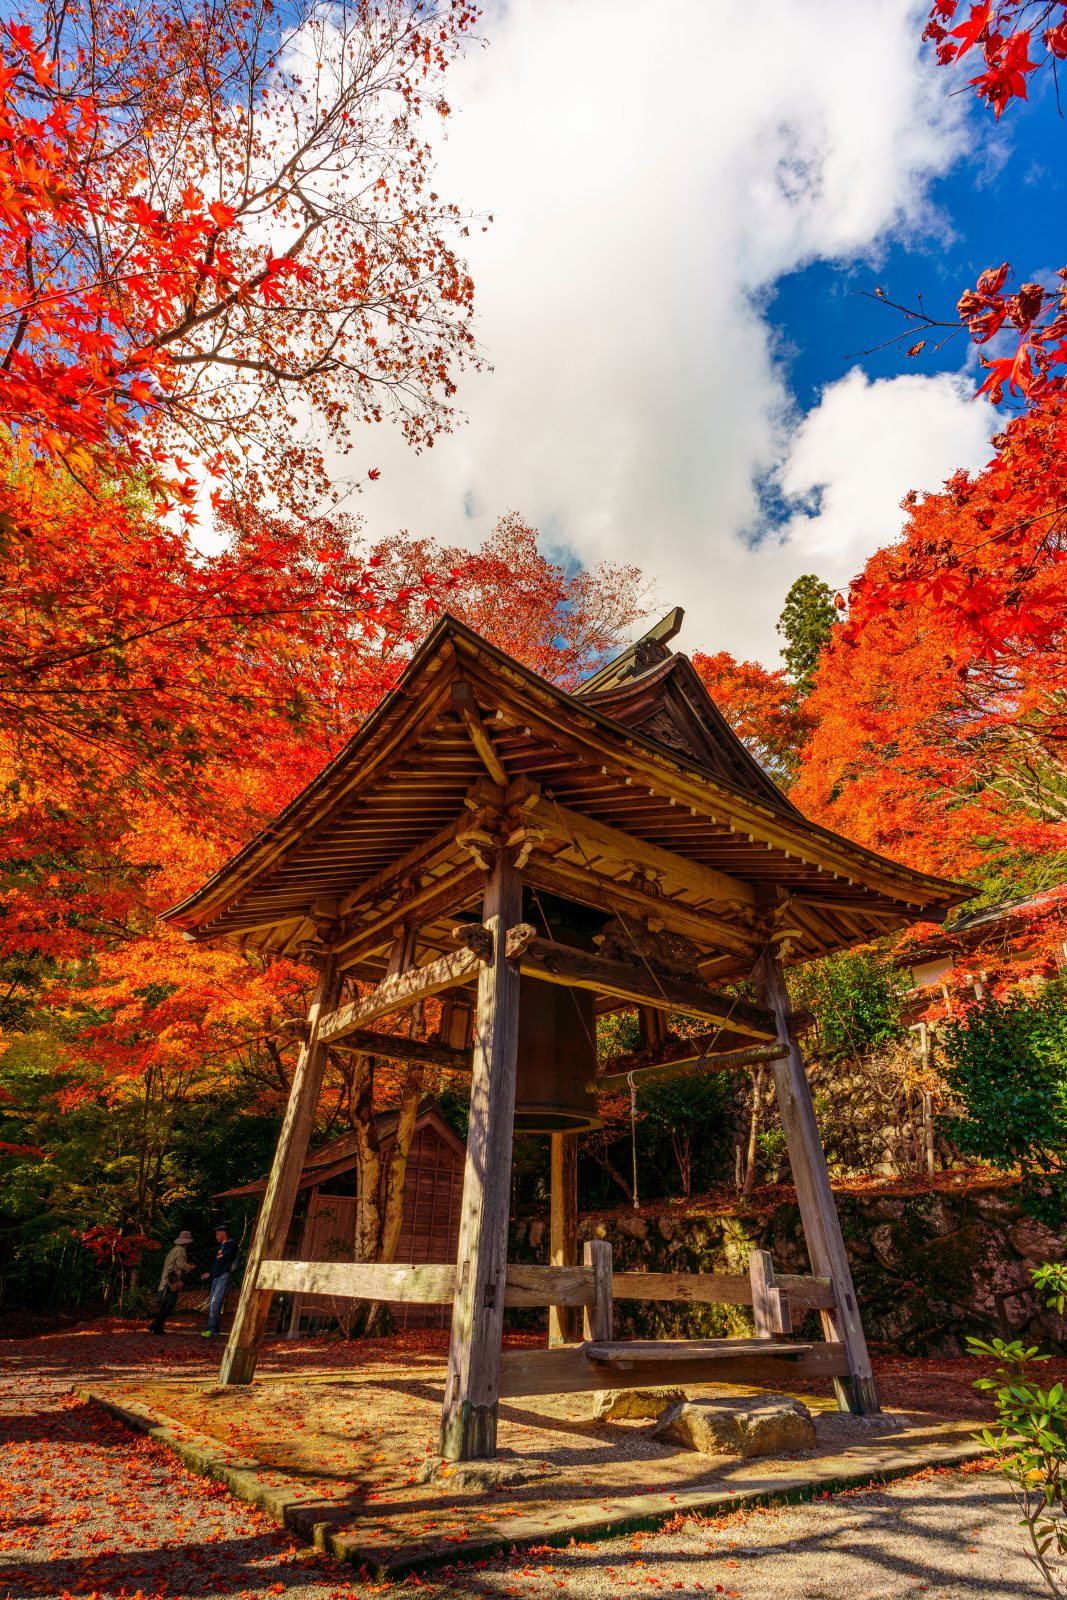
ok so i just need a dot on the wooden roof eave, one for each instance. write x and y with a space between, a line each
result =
377 738
689 783
565 721
678 673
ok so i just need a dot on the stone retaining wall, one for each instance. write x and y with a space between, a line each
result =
929 1268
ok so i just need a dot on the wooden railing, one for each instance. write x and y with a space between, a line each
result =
432 1284
601 1362
592 1286
720 1288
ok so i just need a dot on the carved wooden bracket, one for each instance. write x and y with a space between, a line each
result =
473 936
519 940
774 925
524 840
500 821
648 944
481 840
645 879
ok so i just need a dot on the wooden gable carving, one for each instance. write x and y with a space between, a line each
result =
665 700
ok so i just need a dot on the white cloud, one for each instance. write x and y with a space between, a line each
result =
853 457
652 171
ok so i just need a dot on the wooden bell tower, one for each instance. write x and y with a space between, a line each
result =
538 858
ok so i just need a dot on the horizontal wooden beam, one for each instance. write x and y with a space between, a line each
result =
394 1047
241 928
630 1355
548 1286
444 896
393 994
620 899
423 1285
719 1288
688 1064
577 969
568 1370
622 850
361 1280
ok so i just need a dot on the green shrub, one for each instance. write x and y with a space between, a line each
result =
1005 1063
858 1002
1031 1442
693 1117
136 1303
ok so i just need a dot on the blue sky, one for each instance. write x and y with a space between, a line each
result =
686 205
1004 201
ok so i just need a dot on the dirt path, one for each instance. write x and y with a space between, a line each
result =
88 1510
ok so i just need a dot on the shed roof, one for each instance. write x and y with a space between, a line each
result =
339 1155
1009 919
649 803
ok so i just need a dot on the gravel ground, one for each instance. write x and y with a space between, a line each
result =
90 1510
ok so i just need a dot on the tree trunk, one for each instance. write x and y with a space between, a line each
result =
683 1154
754 1121
393 1216
368 1163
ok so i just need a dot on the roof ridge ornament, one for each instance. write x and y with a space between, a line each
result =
646 652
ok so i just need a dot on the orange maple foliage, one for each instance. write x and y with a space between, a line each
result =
217 234
765 709
217 227
560 622
942 704
214 745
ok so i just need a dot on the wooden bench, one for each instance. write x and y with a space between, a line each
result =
627 1353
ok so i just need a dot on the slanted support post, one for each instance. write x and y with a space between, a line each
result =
818 1212
275 1213
563 1230
468 1425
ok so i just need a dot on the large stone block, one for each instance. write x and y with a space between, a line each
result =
1034 1242
630 1405
765 1425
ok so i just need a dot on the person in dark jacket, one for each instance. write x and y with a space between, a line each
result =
175 1268
221 1267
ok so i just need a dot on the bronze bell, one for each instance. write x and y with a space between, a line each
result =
556 1055
557 1059
557 1039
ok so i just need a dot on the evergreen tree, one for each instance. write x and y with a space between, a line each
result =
805 623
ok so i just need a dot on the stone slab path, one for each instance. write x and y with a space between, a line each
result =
337 1457
88 1509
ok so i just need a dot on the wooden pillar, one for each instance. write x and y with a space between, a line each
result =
275 1213
818 1212
770 1305
563 1230
599 1319
468 1425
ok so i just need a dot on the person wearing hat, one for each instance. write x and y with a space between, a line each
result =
221 1267
175 1268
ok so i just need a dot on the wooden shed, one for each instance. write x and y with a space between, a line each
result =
324 1217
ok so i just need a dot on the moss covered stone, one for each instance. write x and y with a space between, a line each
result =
929 1268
